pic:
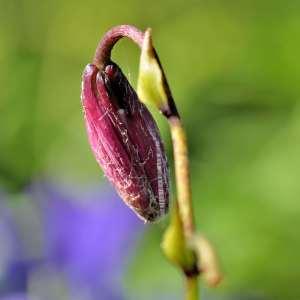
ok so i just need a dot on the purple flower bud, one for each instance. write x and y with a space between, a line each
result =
125 141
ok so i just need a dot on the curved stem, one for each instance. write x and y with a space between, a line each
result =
101 59
103 50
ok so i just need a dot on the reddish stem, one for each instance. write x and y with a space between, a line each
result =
103 51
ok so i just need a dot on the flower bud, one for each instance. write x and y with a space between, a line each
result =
152 84
125 141
175 247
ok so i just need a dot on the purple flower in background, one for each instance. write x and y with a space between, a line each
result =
13 270
85 239
15 297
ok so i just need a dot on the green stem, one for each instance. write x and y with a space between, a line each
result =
191 288
184 195
182 174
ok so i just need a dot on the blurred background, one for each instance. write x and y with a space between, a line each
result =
234 70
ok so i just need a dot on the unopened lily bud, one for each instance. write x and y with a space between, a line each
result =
125 141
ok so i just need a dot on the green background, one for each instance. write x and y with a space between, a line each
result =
234 71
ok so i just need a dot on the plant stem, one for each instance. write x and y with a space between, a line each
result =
103 50
101 59
182 176
183 186
191 288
